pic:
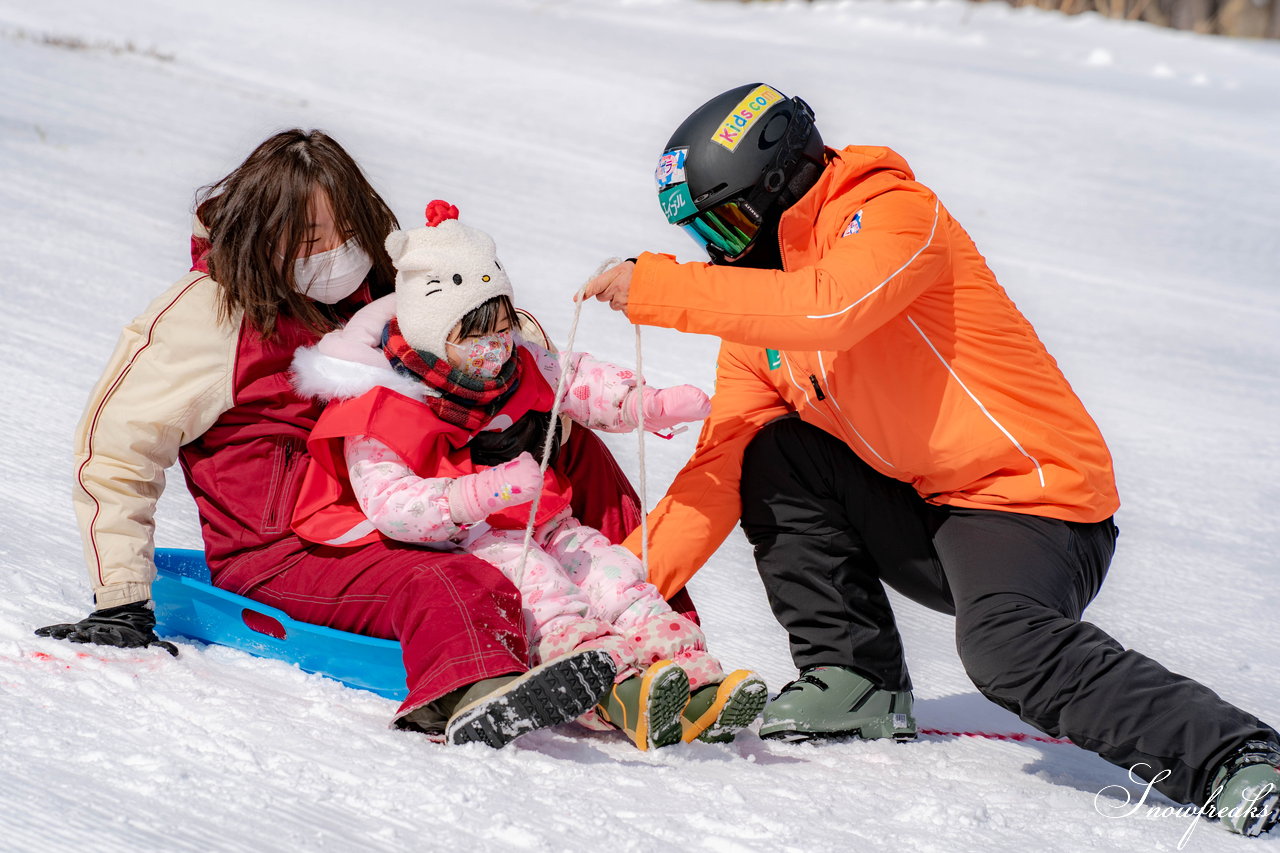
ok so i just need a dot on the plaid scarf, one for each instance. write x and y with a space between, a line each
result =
464 401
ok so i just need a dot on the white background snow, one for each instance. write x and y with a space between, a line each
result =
1123 180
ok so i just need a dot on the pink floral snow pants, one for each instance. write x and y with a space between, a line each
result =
582 592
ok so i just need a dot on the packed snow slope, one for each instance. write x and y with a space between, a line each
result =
1124 182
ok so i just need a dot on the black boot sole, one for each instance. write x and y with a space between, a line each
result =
1265 817
554 693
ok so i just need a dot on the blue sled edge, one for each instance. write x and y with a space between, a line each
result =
188 605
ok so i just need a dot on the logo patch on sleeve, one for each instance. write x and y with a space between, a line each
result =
855 225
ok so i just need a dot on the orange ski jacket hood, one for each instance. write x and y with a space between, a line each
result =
886 329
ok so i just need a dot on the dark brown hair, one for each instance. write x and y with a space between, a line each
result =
261 209
486 316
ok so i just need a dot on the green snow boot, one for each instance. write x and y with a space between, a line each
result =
717 712
836 702
1245 792
647 707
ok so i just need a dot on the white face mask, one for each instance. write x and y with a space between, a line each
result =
334 275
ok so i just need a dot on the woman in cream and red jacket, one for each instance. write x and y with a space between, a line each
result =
294 247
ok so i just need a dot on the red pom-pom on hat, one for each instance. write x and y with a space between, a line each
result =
438 211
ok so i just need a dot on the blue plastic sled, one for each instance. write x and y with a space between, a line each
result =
188 605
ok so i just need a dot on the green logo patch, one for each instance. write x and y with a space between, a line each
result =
676 203
774 357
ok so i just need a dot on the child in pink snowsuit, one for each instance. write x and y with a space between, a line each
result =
438 405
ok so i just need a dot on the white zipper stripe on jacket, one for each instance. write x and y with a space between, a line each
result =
359 531
974 398
933 229
836 405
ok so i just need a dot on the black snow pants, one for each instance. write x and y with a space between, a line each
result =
828 531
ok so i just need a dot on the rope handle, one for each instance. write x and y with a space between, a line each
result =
555 414
644 498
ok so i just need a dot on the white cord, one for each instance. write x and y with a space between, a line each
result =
644 498
550 439
551 432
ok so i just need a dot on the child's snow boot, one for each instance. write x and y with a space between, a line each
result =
496 711
647 707
1245 791
834 701
717 712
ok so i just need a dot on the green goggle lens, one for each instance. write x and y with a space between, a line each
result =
726 226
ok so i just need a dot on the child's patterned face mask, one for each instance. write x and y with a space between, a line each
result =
482 356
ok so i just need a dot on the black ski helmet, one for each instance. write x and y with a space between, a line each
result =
735 164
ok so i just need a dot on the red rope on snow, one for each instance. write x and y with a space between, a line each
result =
45 657
1014 736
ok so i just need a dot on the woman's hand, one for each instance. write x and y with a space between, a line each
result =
612 286
129 626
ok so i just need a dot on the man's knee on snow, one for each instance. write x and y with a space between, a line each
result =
1009 647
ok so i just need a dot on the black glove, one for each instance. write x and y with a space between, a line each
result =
128 626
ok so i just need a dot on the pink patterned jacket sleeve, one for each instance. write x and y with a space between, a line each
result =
594 390
400 504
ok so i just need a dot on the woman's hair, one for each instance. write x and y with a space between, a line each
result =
257 218
486 316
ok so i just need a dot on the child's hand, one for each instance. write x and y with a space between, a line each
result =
665 408
473 497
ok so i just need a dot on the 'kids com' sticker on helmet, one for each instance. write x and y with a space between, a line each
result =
737 123
670 168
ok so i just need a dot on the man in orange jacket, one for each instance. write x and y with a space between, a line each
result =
885 415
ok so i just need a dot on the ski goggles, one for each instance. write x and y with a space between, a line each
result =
730 226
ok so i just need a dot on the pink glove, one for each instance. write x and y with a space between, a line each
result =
472 497
665 408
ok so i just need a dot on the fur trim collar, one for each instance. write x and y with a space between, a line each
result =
314 374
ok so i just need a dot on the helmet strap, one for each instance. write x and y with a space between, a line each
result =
795 170
801 182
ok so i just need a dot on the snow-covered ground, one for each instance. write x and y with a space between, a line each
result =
1124 182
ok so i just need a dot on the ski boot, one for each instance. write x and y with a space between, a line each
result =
496 711
835 702
647 707
1245 792
717 712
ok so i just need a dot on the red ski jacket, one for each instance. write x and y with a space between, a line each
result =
186 385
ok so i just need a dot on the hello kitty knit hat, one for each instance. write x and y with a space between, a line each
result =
443 271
